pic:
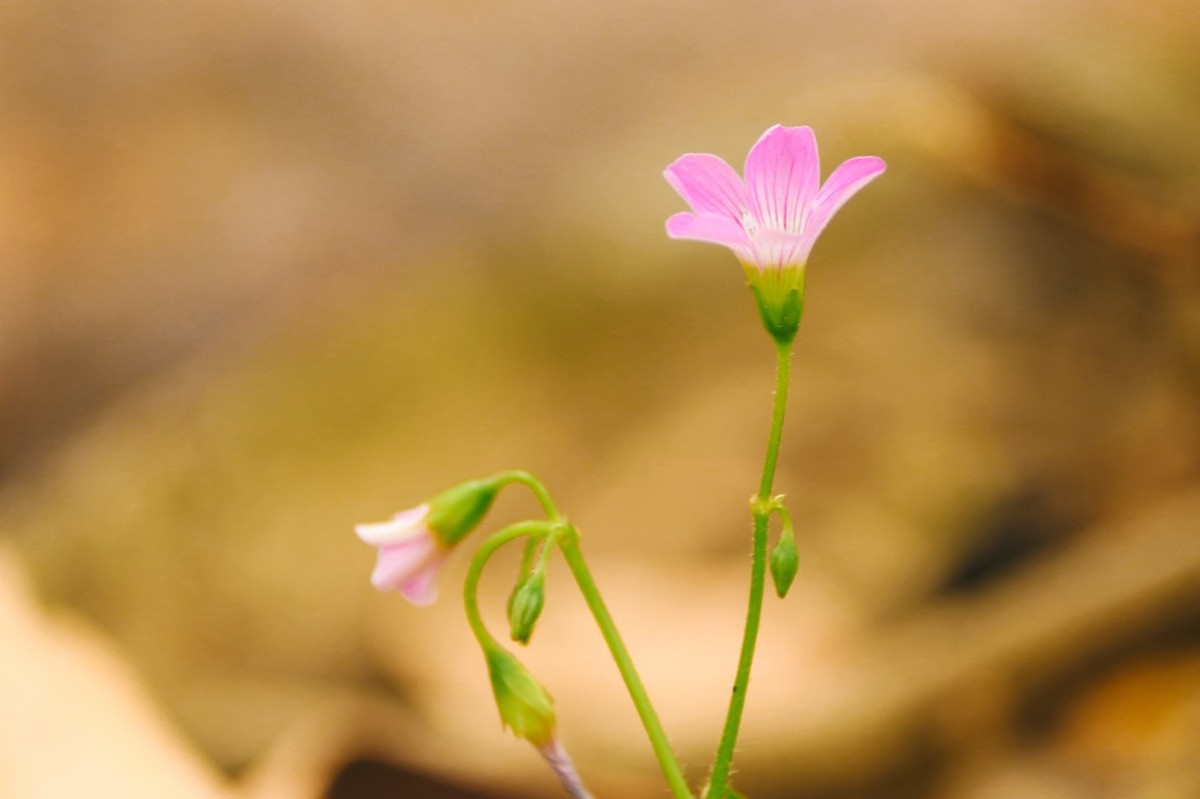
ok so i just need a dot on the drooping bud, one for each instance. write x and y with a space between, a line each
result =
458 510
785 561
525 707
525 606
410 554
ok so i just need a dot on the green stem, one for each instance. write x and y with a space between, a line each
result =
535 485
633 683
761 509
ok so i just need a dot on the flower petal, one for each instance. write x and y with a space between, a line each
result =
421 588
778 248
708 227
399 563
404 525
709 185
783 172
843 184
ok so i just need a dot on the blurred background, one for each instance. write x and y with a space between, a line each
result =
271 269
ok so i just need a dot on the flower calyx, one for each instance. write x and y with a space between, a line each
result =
525 706
457 511
779 294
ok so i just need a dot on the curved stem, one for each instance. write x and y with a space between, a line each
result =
535 485
633 683
485 552
761 509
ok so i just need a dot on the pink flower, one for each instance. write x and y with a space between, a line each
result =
410 554
771 219
415 543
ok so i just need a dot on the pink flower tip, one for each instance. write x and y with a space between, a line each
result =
772 217
409 557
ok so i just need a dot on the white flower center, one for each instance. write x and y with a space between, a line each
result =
749 223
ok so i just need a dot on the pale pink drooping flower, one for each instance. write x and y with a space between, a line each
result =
410 555
772 219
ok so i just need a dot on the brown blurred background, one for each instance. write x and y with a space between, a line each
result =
270 269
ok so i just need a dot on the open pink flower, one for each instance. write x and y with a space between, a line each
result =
410 554
771 219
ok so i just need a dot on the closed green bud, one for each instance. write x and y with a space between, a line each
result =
457 511
785 561
525 707
525 606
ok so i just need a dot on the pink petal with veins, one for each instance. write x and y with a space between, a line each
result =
773 218
783 172
711 228
779 248
709 185
843 184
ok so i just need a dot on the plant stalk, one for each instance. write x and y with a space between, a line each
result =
760 507
569 544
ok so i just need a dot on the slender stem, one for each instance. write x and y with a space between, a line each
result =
762 512
535 485
633 683
544 557
527 556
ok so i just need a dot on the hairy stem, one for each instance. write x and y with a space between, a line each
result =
761 509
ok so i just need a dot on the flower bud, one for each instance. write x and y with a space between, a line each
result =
525 707
785 560
457 511
525 606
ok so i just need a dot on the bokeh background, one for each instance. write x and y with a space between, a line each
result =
269 269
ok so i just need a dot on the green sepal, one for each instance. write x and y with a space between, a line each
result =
779 294
458 510
785 561
525 606
525 707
